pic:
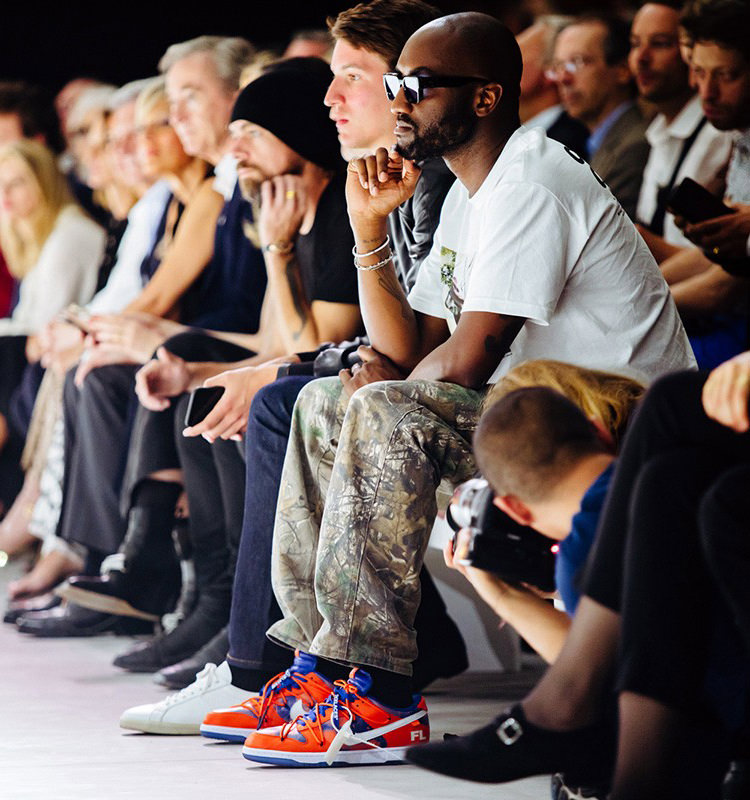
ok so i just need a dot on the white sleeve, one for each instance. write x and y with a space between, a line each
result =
523 255
426 295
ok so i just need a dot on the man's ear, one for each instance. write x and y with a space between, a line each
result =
487 98
604 434
514 508
623 73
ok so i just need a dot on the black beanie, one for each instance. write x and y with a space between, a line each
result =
288 101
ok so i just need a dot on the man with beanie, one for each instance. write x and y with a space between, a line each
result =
292 164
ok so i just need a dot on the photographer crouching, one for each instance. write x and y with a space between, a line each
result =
545 445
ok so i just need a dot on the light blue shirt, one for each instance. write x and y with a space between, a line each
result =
594 141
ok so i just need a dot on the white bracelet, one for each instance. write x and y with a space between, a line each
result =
372 267
372 252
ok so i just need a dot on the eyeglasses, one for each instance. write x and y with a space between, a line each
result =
414 85
571 65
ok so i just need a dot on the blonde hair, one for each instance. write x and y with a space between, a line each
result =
153 94
21 249
604 396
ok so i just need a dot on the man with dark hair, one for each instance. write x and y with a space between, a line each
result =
532 255
713 301
591 68
28 112
683 142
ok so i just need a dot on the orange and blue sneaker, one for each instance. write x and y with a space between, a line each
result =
284 698
348 728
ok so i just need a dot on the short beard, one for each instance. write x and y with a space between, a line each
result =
439 138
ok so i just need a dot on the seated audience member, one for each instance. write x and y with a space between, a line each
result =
712 301
25 113
366 510
548 459
61 342
160 158
311 298
683 142
673 529
54 249
312 43
539 103
591 69
93 468
369 38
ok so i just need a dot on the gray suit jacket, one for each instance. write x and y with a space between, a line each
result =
620 160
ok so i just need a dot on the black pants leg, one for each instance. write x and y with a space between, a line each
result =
97 418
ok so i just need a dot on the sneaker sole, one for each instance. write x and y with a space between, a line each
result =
345 758
103 603
226 734
169 728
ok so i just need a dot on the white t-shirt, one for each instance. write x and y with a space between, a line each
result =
543 238
65 272
707 156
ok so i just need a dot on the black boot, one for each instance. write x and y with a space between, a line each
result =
143 579
207 619
182 674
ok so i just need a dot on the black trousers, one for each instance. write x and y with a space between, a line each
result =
649 564
214 475
98 419
12 366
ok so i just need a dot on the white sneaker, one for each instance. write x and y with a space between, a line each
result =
183 711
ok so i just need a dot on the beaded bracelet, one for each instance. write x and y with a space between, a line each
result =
372 267
372 252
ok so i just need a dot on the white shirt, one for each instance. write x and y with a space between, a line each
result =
65 272
125 283
543 239
707 156
225 176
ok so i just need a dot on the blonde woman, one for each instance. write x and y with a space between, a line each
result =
607 400
54 250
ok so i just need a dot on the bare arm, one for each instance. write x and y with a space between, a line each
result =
471 354
375 186
685 264
190 251
542 625
713 290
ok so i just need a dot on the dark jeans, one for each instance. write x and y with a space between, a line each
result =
254 606
648 561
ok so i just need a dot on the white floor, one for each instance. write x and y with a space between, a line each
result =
59 739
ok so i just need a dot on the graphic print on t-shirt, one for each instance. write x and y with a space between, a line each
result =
454 300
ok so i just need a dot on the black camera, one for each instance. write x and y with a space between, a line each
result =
515 553
329 359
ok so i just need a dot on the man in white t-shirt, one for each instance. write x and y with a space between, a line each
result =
533 253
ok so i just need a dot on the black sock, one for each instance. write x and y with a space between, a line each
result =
150 493
390 688
252 680
92 562
332 670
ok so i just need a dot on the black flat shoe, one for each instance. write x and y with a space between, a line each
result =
511 748
72 620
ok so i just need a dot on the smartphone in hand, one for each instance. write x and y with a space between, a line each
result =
200 403
695 203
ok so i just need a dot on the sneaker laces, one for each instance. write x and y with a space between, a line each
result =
338 703
289 679
204 680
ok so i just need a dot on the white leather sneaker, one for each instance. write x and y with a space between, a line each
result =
183 711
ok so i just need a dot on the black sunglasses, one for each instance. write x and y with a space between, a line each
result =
414 85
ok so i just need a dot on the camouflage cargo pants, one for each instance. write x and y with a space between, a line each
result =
355 511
